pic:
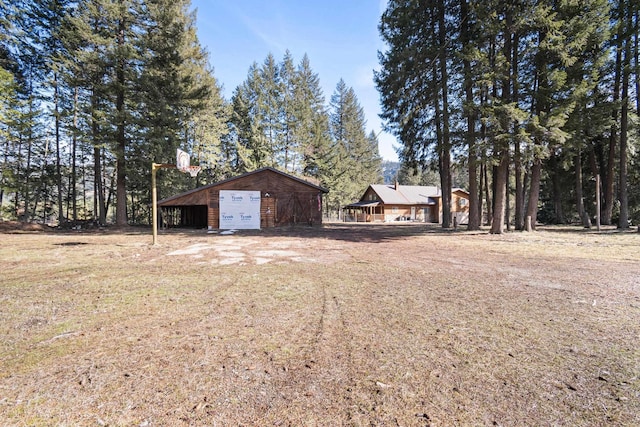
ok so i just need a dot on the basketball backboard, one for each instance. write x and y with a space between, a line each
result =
182 160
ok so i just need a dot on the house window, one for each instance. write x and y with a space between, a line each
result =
463 202
394 209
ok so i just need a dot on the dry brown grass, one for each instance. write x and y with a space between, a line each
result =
339 325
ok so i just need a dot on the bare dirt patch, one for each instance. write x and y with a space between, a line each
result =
335 325
227 250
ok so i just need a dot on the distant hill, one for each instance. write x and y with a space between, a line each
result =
390 171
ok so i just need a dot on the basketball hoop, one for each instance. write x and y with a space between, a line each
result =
192 170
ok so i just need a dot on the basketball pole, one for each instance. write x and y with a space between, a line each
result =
154 198
182 163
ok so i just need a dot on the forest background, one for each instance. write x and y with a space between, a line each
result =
523 103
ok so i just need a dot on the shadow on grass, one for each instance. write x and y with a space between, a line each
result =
340 231
382 232
70 244
349 232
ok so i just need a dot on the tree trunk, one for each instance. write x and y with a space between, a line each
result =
445 151
554 172
480 191
584 217
636 55
100 211
27 180
488 198
517 156
534 192
474 193
494 184
500 177
99 207
507 197
121 185
474 209
608 176
623 195
519 213
74 146
56 102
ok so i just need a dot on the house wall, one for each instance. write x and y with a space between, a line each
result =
396 213
460 207
423 213
460 202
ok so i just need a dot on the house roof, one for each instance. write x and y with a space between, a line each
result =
363 204
406 194
257 171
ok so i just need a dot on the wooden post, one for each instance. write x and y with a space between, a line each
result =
598 202
154 204
527 225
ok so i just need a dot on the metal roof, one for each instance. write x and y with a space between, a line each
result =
295 178
407 194
363 204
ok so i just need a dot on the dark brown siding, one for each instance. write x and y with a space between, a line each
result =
285 200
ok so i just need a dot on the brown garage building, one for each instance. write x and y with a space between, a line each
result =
284 200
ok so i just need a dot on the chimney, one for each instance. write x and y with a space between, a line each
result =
397 185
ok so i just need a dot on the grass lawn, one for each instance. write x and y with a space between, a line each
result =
353 325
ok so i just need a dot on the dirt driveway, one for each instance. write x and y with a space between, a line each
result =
334 325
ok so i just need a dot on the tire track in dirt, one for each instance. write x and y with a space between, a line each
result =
321 380
335 353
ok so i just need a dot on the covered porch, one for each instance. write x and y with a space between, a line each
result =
364 211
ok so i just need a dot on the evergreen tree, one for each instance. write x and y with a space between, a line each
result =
289 146
589 120
249 123
45 20
270 105
145 85
180 97
279 118
521 67
628 20
354 164
414 83
312 128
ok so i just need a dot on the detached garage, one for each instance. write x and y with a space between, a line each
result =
263 198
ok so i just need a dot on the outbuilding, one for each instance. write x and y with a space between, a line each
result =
263 198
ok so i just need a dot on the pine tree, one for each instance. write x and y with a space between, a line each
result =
289 145
270 102
279 118
414 84
45 19
312 129
628 13
354 165
589 120
179 95
253 137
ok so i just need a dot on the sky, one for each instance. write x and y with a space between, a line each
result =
340 37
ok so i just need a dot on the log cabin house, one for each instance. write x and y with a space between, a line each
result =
386 203
284 200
